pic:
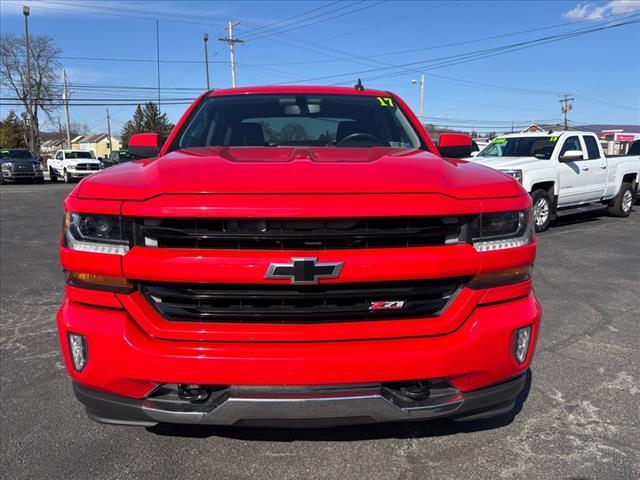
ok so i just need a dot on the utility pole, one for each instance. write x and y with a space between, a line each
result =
565 106
206 57
158 61
60 132
232 41
109 132
65 100
30 113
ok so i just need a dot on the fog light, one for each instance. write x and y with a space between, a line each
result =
521 343
78 349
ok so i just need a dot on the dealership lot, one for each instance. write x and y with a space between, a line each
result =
580 419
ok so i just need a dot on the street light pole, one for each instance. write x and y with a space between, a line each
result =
206 57
421 116
32 141
422 98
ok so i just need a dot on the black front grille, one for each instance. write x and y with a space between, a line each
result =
338 302
297 234
87 166
23 167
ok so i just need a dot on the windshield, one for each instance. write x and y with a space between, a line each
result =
16 154
539 147
297 120
78 155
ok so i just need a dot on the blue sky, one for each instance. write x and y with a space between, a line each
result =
337 42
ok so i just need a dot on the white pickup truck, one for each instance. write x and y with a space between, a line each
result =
71 165
563 170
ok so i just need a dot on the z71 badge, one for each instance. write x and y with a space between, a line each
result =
389 305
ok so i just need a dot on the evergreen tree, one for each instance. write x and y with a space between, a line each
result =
154 122
133 126
12 132
146 119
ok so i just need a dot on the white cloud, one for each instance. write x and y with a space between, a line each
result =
592 11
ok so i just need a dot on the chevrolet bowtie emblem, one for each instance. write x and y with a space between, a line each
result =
303 271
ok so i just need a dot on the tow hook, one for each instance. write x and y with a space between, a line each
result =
193 393
417 390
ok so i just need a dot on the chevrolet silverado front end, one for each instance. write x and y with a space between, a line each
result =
297 256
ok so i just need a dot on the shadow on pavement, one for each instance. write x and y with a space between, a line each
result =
433 428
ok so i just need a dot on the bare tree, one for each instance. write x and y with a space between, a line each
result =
45 86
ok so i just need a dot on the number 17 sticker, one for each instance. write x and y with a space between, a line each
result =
385 101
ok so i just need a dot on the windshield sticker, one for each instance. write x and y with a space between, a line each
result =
385 101
553 139
500 140
400 144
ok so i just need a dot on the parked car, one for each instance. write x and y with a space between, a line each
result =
297 256
563 170
71 165
18 164
120 156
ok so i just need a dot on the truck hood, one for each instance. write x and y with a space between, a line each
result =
297 170
508 163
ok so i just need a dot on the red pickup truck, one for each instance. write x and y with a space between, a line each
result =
297 256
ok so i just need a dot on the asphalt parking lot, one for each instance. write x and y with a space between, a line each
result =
580 421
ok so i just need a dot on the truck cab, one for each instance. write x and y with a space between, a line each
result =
564 170
72 165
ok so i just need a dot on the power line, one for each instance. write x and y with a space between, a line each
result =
102 10
270 25
135 60
469 56
320 20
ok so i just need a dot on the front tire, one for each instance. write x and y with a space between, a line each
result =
67 177
621 205
52 176
541 210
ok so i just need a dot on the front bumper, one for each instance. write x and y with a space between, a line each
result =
81 173
300 406
17 176
126 366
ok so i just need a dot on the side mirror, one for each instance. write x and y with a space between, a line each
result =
144 145
571 156
454 145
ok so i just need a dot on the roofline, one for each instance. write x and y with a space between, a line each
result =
556 133
311 89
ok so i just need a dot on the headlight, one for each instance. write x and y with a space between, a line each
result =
501 230
37 167
7 165
517 174
96 233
